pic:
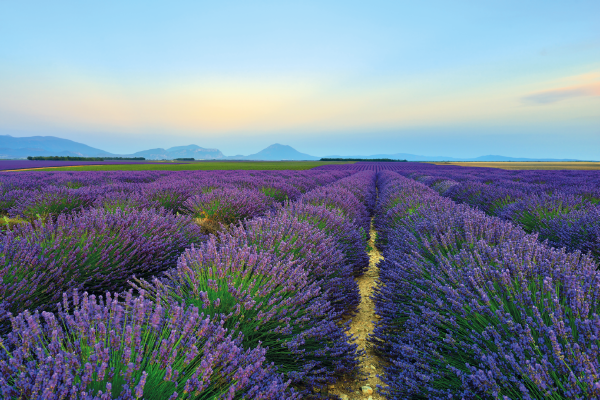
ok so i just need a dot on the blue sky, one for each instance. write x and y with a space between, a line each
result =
455 78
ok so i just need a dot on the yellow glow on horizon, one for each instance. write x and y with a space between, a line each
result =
223 104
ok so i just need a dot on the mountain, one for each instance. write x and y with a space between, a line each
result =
190 151
279 152
21 147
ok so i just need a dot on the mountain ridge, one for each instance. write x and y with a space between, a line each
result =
22 147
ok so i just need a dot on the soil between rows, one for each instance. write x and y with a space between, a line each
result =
361 326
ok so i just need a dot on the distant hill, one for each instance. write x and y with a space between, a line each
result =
279 152
190 151
21 147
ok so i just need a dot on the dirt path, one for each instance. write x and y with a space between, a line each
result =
361 326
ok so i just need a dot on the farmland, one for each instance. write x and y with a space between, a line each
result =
389 280
181 166
533 165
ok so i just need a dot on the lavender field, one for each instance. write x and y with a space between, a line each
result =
11 165
244 284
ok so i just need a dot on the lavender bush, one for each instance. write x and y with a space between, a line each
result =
348 239
271 302
289 239
338 198
52 201
9 197
105 348
227 206
124 201
95 250
534 212
575 230
362 185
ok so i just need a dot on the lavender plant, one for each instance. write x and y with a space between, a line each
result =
338 198
349 240
105 348
270 302
95 250
227 205
289 239
124 201
362 185
52 201
534 212
575 230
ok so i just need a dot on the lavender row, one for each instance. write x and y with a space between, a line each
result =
566 217
474 307
563 207
129 348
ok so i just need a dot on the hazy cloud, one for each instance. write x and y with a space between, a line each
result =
556 95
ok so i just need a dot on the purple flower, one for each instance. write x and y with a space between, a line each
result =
32 366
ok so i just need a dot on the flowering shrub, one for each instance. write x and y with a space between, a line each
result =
289 239
8 199
362 185
338 198
534 212
52 201
575 230
124 201
228 205
171 195
350 241
280 191
131 349
272 302
95 250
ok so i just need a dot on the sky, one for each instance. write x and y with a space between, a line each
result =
456 78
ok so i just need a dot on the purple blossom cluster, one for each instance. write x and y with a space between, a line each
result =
353 204
348 239
272 302
228 205
472 306
94 250
314 251
131 348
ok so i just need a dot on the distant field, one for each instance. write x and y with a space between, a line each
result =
208 166
527 165
9 165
